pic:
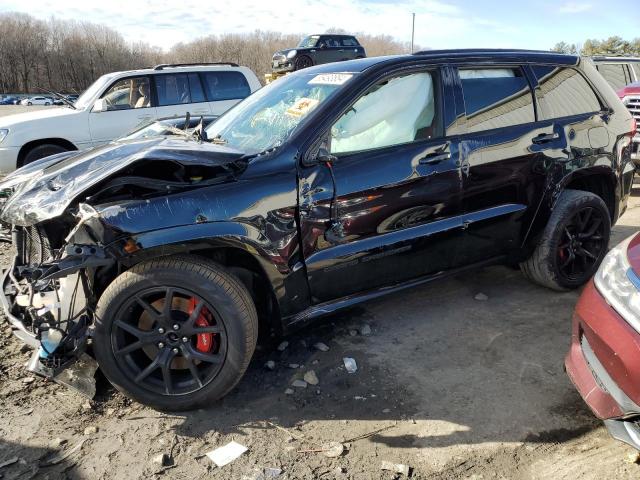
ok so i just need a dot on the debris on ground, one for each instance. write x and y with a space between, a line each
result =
288 391
322 347
299 384
331 449
353 332
90 430
297 437
11 461
350 364
294 365
283 346
396 468
481 297
272 472
226 454
365 330
57 442
271 365
28 380
61 456
633 457
163 459
311 378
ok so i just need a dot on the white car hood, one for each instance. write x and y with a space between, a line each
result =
45 113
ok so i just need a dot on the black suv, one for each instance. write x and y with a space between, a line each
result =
332 186
315 50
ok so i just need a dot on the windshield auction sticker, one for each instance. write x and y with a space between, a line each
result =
302 106
330 79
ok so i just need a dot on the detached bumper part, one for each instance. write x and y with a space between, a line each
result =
19 329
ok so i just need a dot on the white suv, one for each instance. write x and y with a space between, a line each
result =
117 103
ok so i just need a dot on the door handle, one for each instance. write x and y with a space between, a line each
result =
545 137
435 157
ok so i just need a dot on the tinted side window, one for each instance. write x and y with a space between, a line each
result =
173 89
197 94
563 92
395 111
614 74
496 97
333 42
226 86
349 42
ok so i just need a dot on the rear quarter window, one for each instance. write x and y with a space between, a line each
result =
563 92
614 73
496 97
226 86
350 42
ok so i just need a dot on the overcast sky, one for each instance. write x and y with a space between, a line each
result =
537 24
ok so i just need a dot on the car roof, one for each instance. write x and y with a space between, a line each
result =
330 35
169 69
525 56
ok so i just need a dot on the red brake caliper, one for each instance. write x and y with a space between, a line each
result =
205 341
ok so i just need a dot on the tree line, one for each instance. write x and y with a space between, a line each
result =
67 56
615 46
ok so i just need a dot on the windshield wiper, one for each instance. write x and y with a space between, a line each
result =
60 96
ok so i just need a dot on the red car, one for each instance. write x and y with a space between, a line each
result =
604 360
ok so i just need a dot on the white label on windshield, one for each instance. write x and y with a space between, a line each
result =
330 79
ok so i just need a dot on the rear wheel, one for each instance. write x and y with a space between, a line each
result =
175 333
41 151
573 244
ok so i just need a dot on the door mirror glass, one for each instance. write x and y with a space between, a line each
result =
99 106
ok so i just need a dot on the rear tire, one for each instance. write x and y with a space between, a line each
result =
41 151
230 311
573 244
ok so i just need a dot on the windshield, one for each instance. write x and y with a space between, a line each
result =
267 118
309 42
89 95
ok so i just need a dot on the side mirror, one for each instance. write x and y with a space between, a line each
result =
324 156
99 106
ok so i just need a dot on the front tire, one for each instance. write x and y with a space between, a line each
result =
303 62
176 333
41 151
573 244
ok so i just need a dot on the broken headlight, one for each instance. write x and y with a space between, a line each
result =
619 284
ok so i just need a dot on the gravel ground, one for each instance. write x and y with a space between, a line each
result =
454 387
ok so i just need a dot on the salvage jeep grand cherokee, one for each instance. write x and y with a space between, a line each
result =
164 257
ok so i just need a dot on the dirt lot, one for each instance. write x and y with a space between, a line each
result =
463 388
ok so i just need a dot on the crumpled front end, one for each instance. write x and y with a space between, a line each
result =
48 299
66 253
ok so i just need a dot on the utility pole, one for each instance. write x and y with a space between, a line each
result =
413 28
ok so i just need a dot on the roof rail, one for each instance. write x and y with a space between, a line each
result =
467 51
162 66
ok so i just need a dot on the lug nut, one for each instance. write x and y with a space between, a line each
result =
175 350
185 339
176 326
160 345
161 330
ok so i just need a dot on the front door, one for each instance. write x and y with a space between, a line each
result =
126 105
396 215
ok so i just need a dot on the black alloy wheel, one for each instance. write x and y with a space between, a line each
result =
169 340
582 243
303 62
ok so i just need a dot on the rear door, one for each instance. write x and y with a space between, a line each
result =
224 89
179 93
397 181
127 104
502 173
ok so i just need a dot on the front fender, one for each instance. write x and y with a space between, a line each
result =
287 281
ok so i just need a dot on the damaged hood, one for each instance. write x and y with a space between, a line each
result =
46 188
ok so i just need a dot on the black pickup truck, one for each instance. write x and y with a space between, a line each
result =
315 50
166 257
